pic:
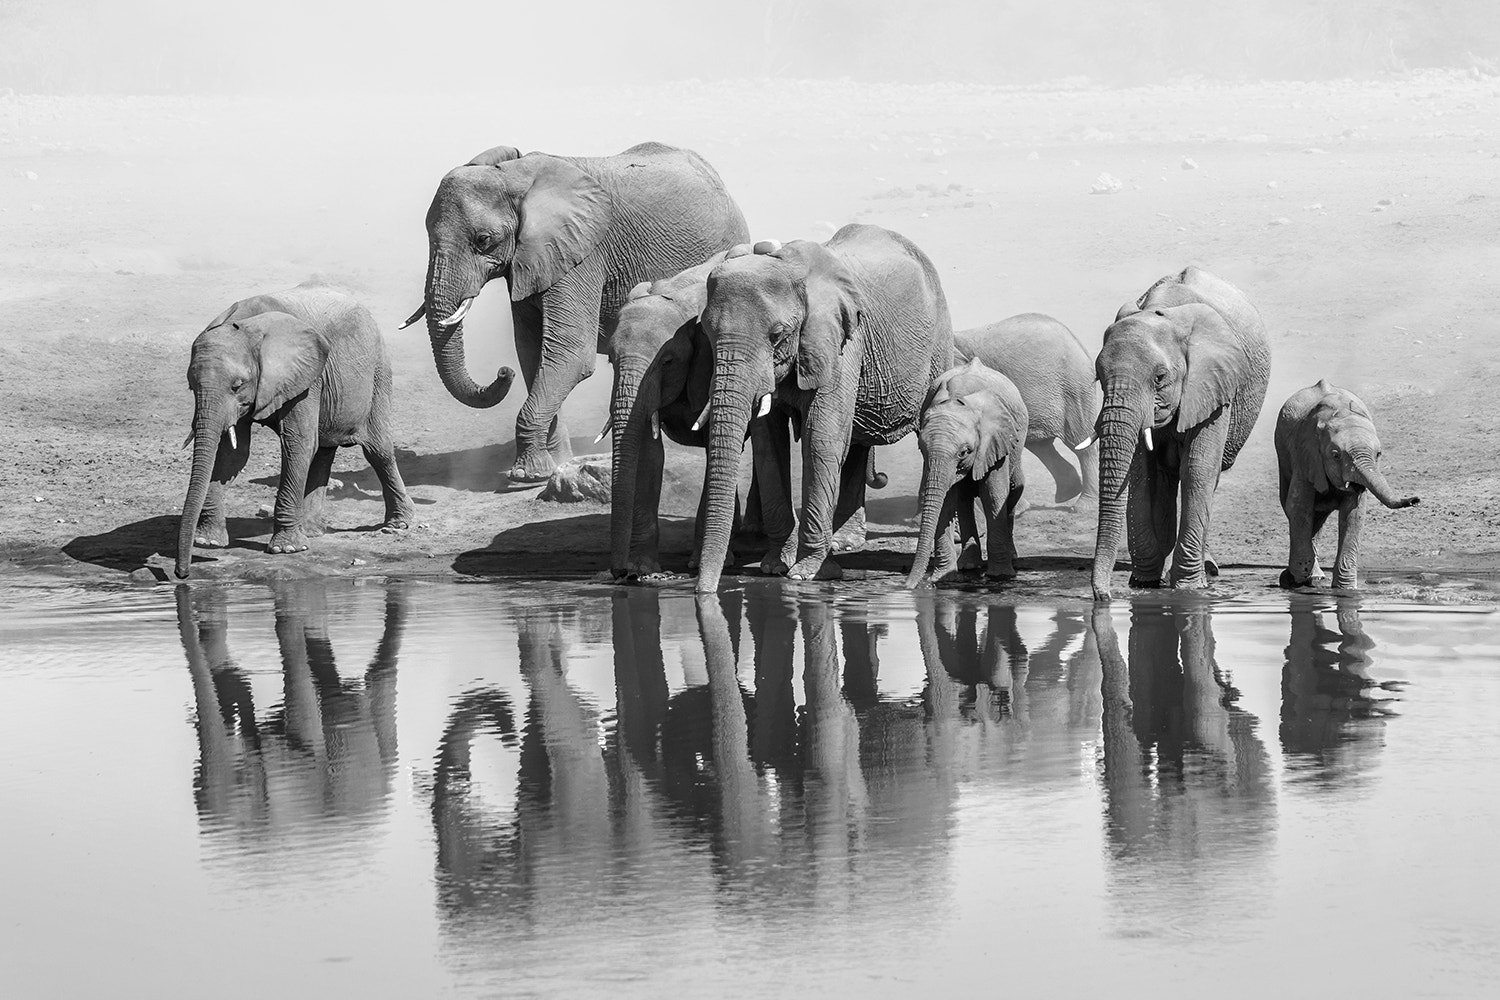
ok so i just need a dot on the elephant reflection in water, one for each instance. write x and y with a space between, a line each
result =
1188 793
1332 712
328 750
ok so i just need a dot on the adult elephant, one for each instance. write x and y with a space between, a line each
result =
1184 370
846 337
571 236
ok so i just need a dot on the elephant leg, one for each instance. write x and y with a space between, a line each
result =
849 513
645 529
1151 509
212 531
1069 485
1002 492
1298 503
299 440
399 509
569 339
825 439
970 552
315 492
771 449
1202 461
1351 520
1088 469
752 525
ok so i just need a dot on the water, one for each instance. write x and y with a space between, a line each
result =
414 789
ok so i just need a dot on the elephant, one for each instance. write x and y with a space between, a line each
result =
846 338
1055 376
972 431
1332 711
1327 457
311 365
571 236
1184 370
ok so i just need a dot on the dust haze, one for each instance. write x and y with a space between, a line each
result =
160 159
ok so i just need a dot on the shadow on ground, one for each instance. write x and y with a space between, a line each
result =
127 547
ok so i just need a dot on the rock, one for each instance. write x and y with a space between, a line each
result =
1188 163
1273 185
264 512
1282 221
1429 578
583 478
1105 184
143 575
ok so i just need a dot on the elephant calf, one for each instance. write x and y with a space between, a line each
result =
1055 376
971 435
311 365
1327 455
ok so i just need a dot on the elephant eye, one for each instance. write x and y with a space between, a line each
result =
237 384
1161 376
1335 453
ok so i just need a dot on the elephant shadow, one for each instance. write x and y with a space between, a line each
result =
128 546
328 750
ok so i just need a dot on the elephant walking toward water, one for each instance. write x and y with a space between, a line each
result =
570 236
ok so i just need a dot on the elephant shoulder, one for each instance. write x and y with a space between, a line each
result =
653 148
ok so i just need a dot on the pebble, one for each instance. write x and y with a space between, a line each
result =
1105 184
1282 221
1188 163
1272 185
264 511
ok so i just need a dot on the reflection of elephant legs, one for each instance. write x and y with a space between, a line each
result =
774 741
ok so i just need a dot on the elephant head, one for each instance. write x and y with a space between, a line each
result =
246 366
1344 452
531 218
965 430
1165 371
660 356
772 311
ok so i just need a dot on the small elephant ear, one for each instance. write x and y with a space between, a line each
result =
995 433
1217 365
564 214
833 311
640 291
494 156
292 356
1312 436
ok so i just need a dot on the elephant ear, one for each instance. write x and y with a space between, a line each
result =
995 432
1312 438
292 356
833 310
1217 366
564 214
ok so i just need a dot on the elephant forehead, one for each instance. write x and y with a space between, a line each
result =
1136 338
645 323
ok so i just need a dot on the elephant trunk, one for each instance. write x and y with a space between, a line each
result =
209 423
635 399
937 479
728 419
1120 424
1374 480
451 285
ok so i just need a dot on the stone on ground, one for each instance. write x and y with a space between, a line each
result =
576 480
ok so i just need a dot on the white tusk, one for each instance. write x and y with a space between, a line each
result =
655 426
458 314
187 440
703 417
233 444
1147 435
421 311
609 423
1087 442
765 405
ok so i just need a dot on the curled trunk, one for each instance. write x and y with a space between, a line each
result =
449 284
728 420
208 427
1120 425
1374 480
937 479
631 410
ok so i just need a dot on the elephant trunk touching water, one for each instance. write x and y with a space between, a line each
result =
939 472
1122 422
739 380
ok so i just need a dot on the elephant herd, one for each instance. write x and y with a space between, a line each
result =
842 346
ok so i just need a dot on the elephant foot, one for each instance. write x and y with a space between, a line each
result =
851 537
532 466
816 568
1197 581
1022 506
1000 571
392 525
971 557
773 565
1141 583
211 535
1289 582
1210 565
1345 581
288 540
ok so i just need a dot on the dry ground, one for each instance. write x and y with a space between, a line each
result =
1362 219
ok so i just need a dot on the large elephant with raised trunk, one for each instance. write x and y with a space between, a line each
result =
311 365
1327 457
845 338
1184 370
571 236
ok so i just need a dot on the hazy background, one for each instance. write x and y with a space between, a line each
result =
277 46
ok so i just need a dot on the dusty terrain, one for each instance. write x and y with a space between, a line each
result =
1362 219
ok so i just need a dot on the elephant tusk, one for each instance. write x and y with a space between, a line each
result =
187 440
703 417
233 444
421 311
1147 435
458 314
609 423
655 426
1087 442
765 405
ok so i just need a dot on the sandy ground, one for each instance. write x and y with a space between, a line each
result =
1362 219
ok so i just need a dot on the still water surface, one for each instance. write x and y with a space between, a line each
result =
413 789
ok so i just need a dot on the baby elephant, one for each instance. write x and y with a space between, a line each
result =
971 433
310 364
1328 456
